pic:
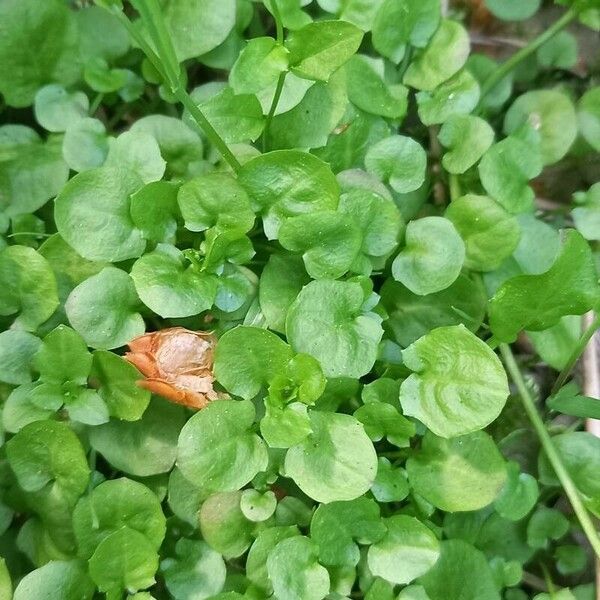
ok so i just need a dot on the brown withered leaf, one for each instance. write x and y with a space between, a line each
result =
177 363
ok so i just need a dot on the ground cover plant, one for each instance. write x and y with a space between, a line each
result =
291 298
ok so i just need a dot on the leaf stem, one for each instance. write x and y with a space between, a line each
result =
574 357
517 58
96 103
555 460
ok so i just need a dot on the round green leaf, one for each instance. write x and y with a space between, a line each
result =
115 504
66 580
17 349
248 358
172 286
215 199
519 494
330 242
447 578
138 152
124 560
144 447
433 256
458 385
154 211
390 485
407 551
399 161
101 33
513 10
445 55
103 309
258 507
328 322
286 183
55 108
85 145
217 449
28 287
560 52
92 215
489 232
294 571
551 113
336 461
588 115
461 474
20 409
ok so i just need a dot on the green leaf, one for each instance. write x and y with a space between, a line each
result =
63 356
458 385
369 90
337 528
569 402
124 560
328 322
400 23
86 406
552 114
482 66
555 344
407 551
383 420
170 285
101 34
444 56
217 450
256 562
115 504
248 358
46 39
20 409
468 138
85 144
546 524
570 559
28 287
294 571
318 49
513 10
258 66
6 588
103 309
560 52
283 427
519 494
48 453
523 302
280 283
457 96
138 152
490 233
411 316
460 474
586 215
17 349
154 211
390 485
432 258
258 507
92 215
55 108
287 183
184 497
336 461
144 447
116 380
330 242
66 580
198 571
215 199
588 116
446 579
505 171
399 161
224 526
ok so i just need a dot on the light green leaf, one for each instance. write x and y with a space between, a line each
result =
513 10
86 406
399 161
586 215
85 144
138 152
55 108
217 450
390 485
92 215
154 211
20 409
433 257
294 571
555 344
407 551
560 52
459 384
383 420
285 426
17 349
258 507
103 309
461 474
172 286
328 322
100 34
588 115
519 494
336 461
66 580
523 302
444 56
544 525
318 49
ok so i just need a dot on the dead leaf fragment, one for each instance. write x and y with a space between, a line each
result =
177 363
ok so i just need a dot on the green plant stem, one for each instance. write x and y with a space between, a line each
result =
517 58
96 103
455 189
555 460
574 357
180 93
